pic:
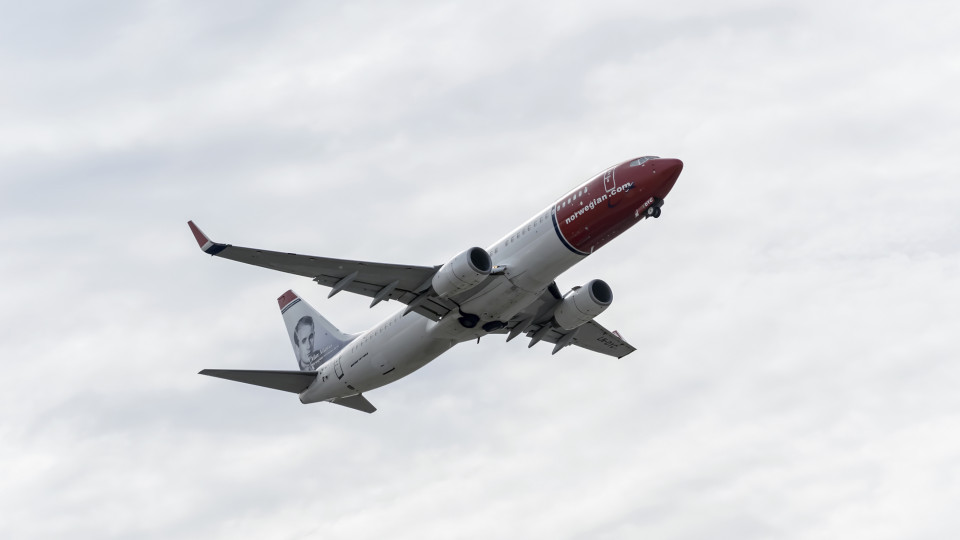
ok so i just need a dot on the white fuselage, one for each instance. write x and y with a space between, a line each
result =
531 256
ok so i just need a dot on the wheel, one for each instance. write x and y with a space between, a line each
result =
469 320
656 211
493 326
651 210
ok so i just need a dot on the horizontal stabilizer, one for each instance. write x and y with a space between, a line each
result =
288 381
357 402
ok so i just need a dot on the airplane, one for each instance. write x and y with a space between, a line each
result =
508 288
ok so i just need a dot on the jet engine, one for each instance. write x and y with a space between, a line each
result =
464 271
582 304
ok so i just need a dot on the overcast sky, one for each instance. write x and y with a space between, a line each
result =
796 309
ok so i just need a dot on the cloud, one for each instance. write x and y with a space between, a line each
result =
794 309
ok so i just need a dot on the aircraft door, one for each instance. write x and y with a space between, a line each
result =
609 182
337 369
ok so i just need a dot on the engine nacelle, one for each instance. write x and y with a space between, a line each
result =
464 271
583 304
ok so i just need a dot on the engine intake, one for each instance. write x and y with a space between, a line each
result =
583 304
464 271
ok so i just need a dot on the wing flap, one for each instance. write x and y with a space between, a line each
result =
288 381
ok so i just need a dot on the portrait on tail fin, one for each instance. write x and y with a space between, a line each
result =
315 340
303 336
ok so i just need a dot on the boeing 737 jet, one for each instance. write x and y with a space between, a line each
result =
508 288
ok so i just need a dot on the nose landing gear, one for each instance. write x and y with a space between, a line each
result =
654 209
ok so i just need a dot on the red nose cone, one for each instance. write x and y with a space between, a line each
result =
668 170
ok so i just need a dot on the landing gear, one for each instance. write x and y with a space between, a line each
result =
654 209
468 320
493 326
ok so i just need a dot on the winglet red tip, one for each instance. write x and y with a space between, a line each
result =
286 299
202 240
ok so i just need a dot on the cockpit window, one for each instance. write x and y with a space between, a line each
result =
640 161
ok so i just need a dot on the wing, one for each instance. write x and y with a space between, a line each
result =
537 323
407 284
591 336
411 285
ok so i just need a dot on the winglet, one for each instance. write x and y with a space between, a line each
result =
207 245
